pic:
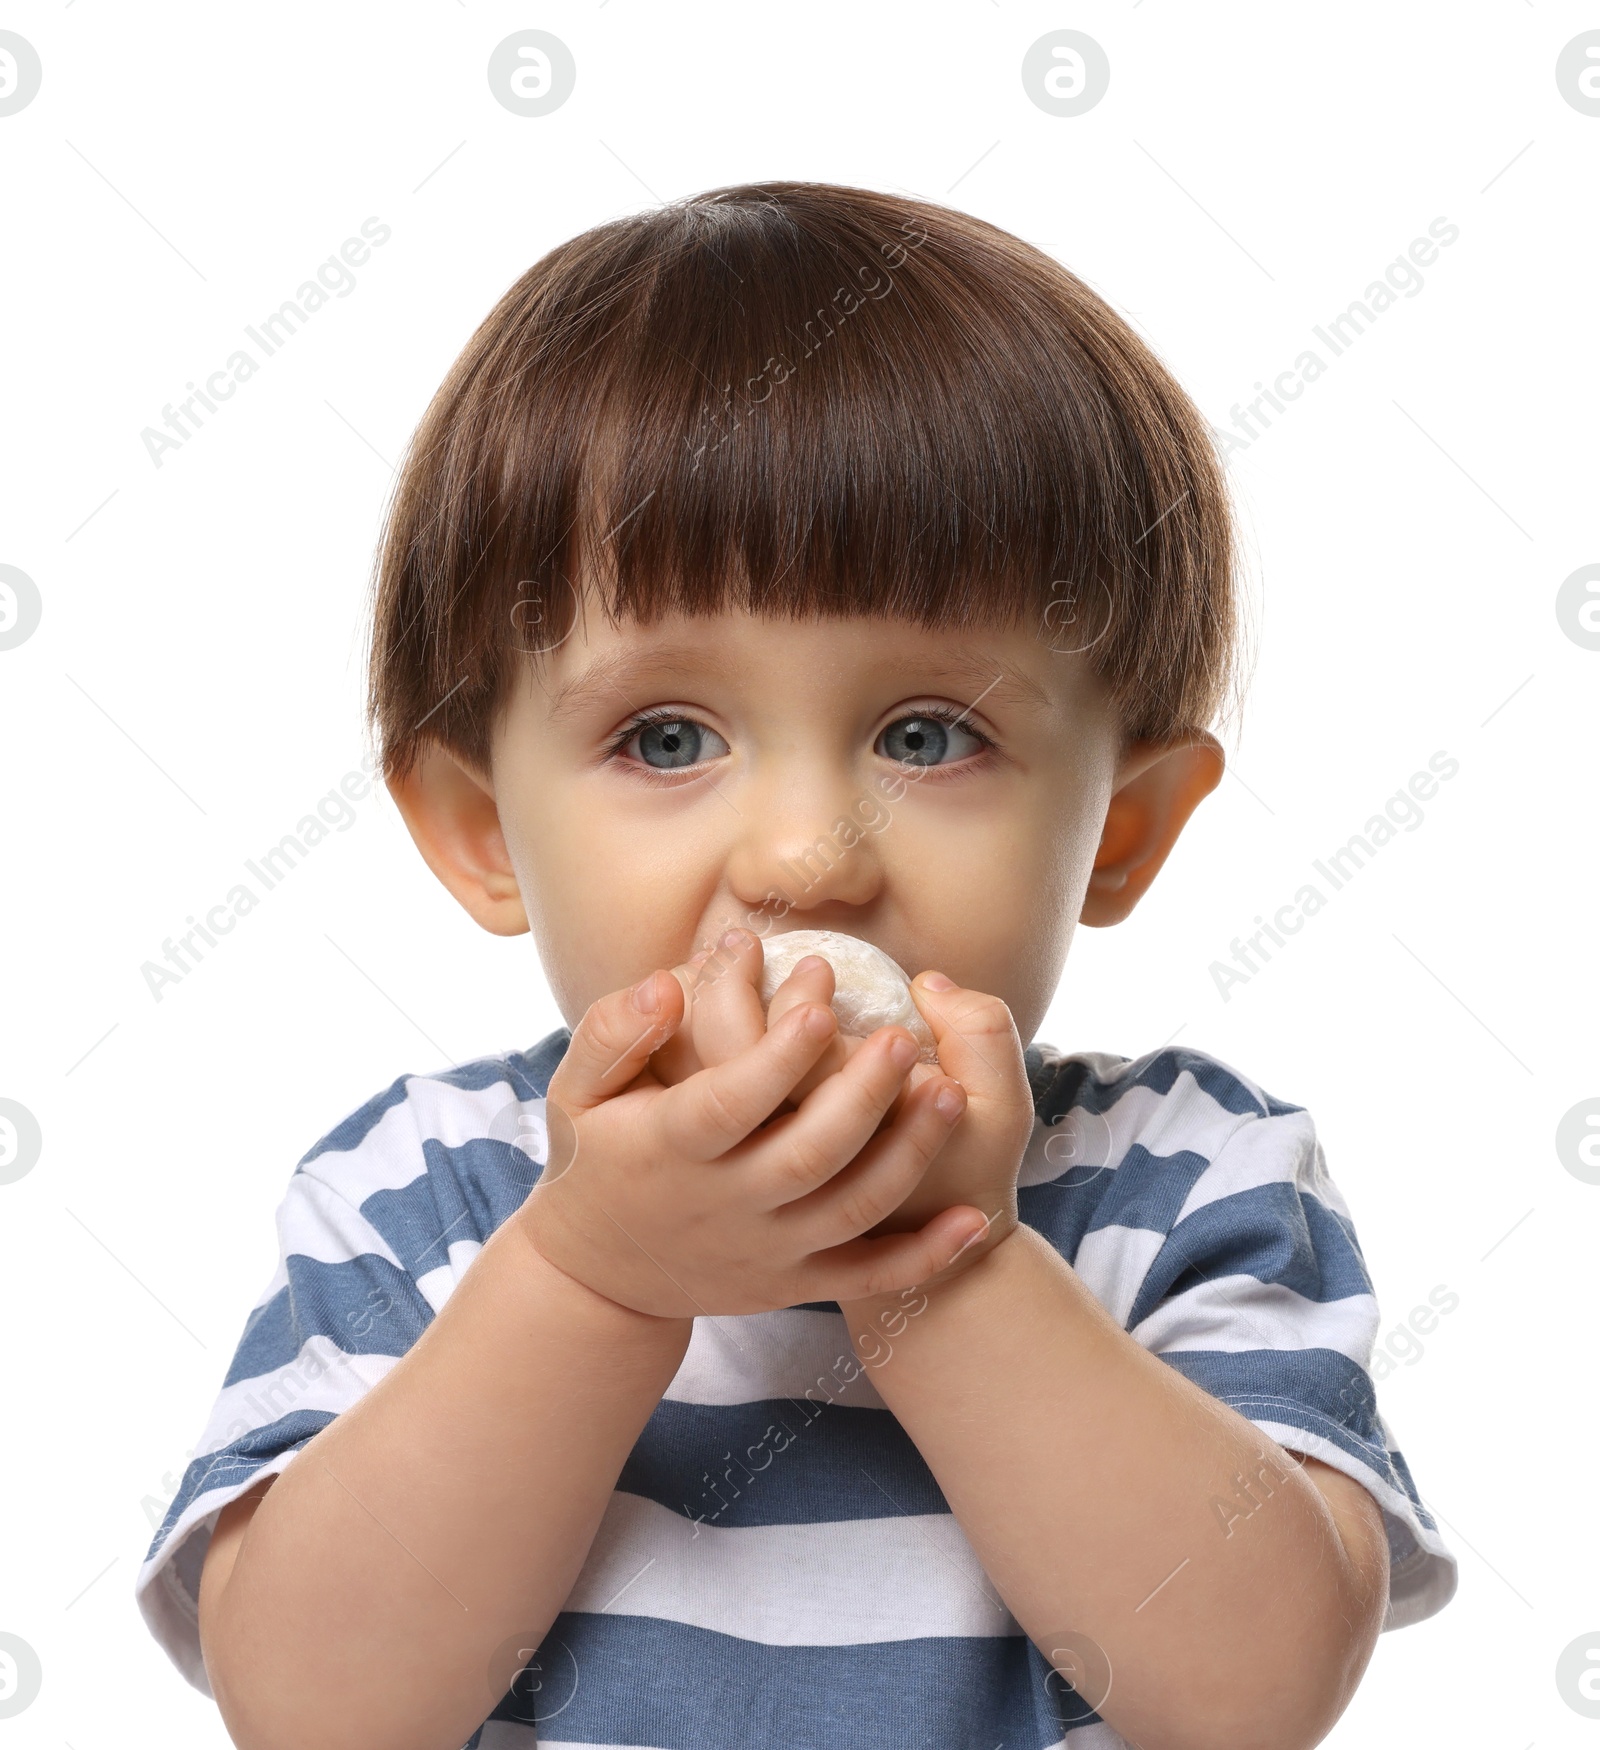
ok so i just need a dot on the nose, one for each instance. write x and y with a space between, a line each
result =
811 842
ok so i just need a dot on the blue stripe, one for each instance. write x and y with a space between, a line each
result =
238 1461
1271 1232
1146 1190
1318 1390
615 1679
781 1461
460 1193
364 1307
1073 1084
351 1132
1397 1463
528 1073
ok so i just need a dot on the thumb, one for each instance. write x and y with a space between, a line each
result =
614 1040
975 1034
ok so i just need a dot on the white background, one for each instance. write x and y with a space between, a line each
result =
194 686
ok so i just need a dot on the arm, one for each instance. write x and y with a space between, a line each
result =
451 1509
1085 1472
364 1594
1099 1487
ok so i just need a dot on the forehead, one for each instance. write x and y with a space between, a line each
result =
845 656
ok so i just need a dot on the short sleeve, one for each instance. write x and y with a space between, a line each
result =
1243 1272
338 1312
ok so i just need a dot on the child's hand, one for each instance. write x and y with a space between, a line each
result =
978 1045
725 1017
675 1200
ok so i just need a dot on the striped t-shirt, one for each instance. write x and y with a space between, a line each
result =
777 1566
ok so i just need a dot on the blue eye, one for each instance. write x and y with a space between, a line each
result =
925 740
667 743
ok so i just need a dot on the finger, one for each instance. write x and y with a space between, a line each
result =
885 1172
861 1268
976 1038
613 1041
719 1106
835 1121
810 981
676 1060
725 1012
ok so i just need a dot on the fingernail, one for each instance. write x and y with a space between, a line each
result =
937 981
810 961
970 1241
903 1052
644 996
733 938
949 1101
818 1021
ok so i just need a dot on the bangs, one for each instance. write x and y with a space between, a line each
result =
802 400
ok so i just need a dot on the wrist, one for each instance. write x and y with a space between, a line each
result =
536 1249
981 1257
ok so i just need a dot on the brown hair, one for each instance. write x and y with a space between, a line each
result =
802 399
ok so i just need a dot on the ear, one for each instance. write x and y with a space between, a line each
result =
1158 786
449 810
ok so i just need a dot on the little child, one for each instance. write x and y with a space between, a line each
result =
801 557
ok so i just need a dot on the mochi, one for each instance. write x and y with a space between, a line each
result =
869 989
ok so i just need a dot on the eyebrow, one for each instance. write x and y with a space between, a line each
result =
622 670
984 677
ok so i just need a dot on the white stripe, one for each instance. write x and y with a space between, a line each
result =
489 1743
390 1157
1184 1118
317 1222
1236 1313
321 1377
508 1735
1113 1263
497 1735
1095 1736
436 1286
785 1354
843 1583
1267 1151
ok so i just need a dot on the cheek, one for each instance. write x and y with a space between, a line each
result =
606 901
988 894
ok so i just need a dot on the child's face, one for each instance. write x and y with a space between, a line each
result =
777 795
